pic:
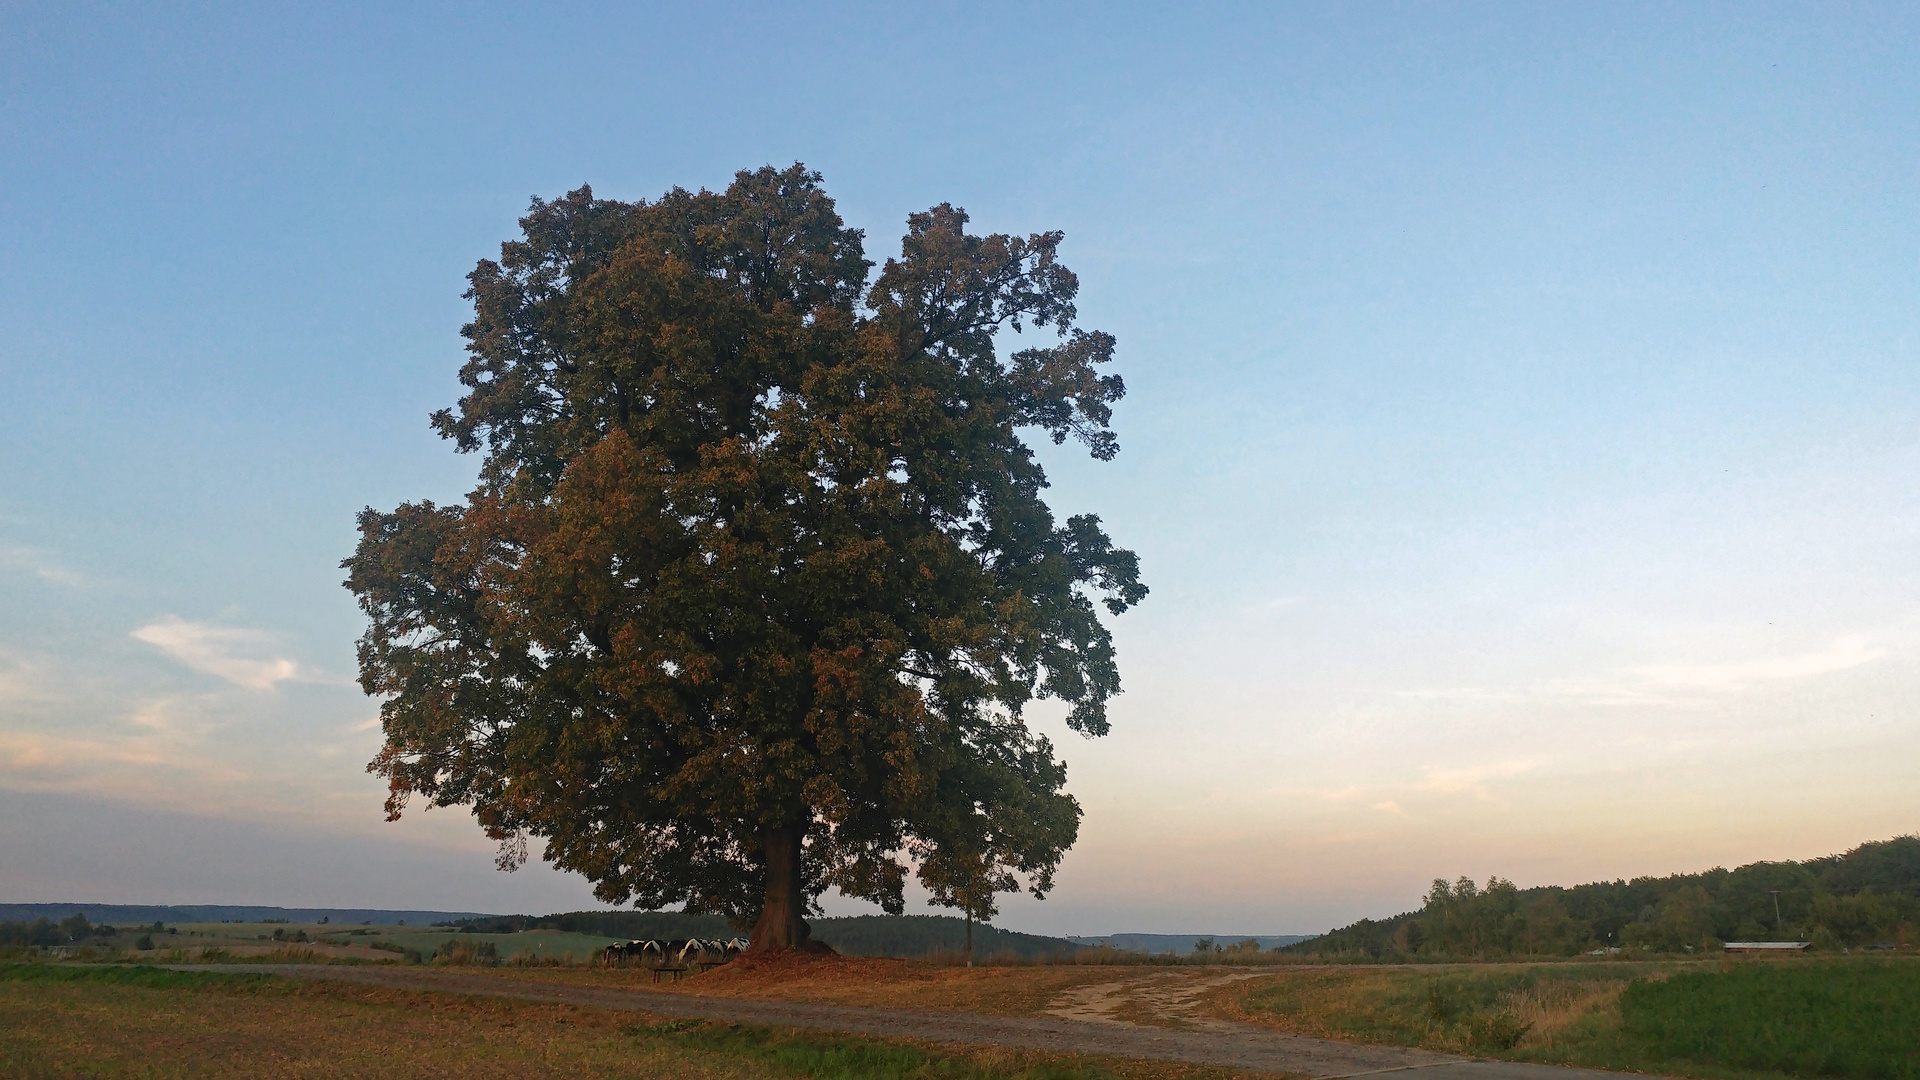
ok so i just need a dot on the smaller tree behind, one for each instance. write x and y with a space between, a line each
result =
958 877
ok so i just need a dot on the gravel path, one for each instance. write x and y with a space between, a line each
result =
1242 1047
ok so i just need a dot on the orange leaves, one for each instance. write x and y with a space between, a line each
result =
753 549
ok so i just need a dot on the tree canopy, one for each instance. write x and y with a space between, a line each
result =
758 579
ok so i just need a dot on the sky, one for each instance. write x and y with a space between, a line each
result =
1522 441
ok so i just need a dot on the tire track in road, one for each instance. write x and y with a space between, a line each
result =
1165 999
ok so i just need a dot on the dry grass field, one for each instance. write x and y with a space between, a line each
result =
1850 1018
1449 1009
872 982
115 1023
1844 1017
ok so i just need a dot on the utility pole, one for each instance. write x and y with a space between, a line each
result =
1776 912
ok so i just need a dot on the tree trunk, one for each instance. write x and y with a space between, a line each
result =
780 925
969 937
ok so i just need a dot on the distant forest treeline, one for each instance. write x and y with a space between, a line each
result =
74 929
1868 896
214 913
857 935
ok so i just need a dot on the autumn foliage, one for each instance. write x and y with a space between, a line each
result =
757 579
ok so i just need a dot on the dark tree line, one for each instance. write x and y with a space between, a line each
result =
856 935
1869 895
73 930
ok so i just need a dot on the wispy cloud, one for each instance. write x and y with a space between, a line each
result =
159 758
1472 779
1460 693
40 751
1267 609
41 565
165 731
1847 652
21 681
185 752
1669 684
242 657
181 719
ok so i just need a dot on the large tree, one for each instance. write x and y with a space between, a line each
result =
757 579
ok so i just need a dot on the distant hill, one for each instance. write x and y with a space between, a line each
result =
856 935
1183 943
921 935
1867 896
210 913
615 924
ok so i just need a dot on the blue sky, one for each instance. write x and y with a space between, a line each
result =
1521 440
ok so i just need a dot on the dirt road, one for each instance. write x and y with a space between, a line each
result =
1215 1043
1172 999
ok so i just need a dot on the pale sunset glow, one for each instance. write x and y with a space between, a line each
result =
1521 438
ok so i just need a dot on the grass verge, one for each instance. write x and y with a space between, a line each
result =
1846 1019
1836 1019
152 978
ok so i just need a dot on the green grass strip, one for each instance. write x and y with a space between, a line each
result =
836 1057
134 975
1855 1020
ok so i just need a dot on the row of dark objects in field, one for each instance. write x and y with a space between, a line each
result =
673 957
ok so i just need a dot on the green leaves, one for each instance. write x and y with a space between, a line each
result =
756 552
